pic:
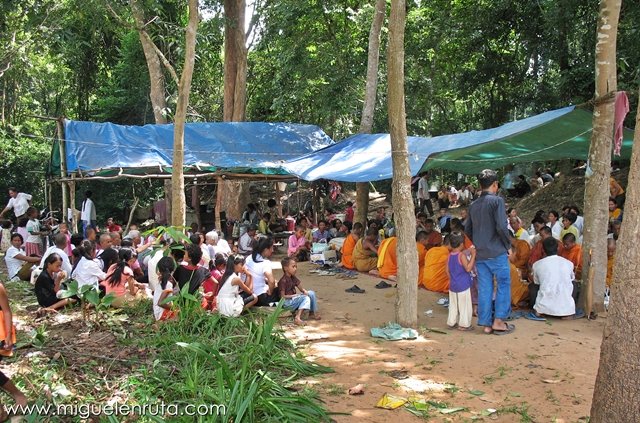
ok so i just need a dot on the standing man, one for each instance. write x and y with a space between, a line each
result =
88 215
19 202
424 200
487 228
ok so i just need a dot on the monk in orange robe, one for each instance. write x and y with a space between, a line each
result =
572 252
434 274
388 258
422 242
519 289
537 252
349 245
520 255
611 251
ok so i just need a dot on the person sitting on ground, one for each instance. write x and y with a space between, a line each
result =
546 177
568 226
537 252
162 310
112 226
217 245
230 302
458 271
7 348
198 239
59 247
191 273
553 222
365 253
49 282
217 267
444 220
518 259
18 263
116 240
336 225
344 229
521 187
299 247
553 284
120 281
443 197
422 239
572 252
537 223
616 192
104 242
263 225
349 245
611 252
322 233
388 259
247 240
261 270
614 232
308 232
250 214
434 274
87 270
615 213
518 230
381 217
464 215
434 238
579 223
306 301
536 181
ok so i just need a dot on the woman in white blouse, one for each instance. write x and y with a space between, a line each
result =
87 270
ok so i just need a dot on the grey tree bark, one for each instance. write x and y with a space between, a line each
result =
596 194
405 221
368 108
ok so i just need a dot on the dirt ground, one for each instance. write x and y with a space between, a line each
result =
544 371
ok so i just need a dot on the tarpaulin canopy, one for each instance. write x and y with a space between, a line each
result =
235 147
553 135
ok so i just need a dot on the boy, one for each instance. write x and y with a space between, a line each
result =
293 301
458 270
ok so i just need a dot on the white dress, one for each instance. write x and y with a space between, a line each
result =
230 303
555 276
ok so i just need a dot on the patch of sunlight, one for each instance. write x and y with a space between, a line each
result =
419 385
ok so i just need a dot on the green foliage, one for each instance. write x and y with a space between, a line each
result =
89 299
244 363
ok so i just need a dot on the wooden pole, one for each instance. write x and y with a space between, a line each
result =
63 166
219 204
72 195
278 200
195 202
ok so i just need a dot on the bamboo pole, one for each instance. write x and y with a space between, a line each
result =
63 166
72 195
219 205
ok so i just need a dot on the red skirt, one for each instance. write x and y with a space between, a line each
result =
32 248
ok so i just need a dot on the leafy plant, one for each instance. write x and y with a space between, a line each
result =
89 299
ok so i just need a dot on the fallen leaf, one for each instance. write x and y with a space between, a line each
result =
451 410
552 380
476 392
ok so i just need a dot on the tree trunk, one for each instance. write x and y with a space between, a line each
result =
617 393
234 194
596 194
405 220
178 211
366 124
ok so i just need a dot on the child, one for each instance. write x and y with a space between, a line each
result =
63 228
165 269
298 245
33 245
5 237
230 302
211 286
219 265
293 301
349 212
458 270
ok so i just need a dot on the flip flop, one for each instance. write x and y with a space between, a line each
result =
355 289
467 329
382 285
442 301
510 328
515 315
532 316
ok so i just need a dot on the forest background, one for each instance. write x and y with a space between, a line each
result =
469 65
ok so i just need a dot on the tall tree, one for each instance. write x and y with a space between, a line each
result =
178 211
616 393
368 108
405 220
596 192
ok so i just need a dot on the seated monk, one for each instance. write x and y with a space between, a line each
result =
434 238
349 245
422 240
434 273
611 251
388 258
537 252
572 252
365 253
520 255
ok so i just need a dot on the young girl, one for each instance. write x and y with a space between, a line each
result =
63 228
165 269
86 270
458 269
306 301
119 280
211 285
33 245
49 283
230 302
5 241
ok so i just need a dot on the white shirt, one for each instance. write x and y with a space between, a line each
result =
555 229
555 276
152 267
524 235
222 247
206 255
157 293
13 264
258 272
244 245
88 272
423 189
579 224
33 225
19 203
88 211
66 264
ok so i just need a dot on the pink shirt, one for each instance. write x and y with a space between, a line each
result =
121 288
294 243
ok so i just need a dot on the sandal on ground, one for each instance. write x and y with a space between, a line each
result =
509 329
355 289
383 284
579 315
533 316
442 301
467 329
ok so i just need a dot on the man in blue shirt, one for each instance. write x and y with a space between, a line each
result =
487 228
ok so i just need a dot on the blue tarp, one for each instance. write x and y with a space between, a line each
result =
252 146
553 135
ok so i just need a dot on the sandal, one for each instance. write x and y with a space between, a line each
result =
467 329
509 329
355 289
382 285
533 316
